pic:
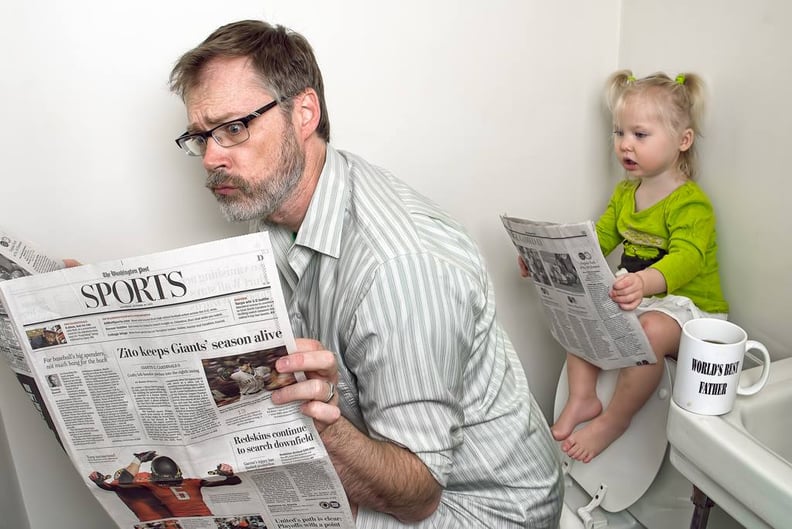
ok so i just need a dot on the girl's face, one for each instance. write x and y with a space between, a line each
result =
644 144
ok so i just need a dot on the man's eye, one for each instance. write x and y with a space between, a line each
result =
234 128
198 140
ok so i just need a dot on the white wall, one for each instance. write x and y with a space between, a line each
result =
10 494
744 51
485 107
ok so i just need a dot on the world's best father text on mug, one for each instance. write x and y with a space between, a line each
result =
709 364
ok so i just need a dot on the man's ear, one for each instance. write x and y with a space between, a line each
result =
307 112
687 140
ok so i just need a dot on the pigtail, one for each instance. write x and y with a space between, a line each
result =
695 95
615 86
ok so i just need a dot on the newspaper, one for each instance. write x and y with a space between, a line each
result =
157 372
573 280
19 258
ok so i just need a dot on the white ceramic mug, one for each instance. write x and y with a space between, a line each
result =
709 364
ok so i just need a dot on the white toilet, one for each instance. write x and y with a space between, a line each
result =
632 483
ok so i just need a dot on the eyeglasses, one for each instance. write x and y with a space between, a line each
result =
226 134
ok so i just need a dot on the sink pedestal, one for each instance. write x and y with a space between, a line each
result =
702 509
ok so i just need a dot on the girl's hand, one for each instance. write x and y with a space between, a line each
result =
628 291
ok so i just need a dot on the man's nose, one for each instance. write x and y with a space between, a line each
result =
215 157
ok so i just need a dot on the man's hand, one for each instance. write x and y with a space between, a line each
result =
148 455
319 390
225 469
97 477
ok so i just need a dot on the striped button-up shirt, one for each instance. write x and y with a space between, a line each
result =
380 275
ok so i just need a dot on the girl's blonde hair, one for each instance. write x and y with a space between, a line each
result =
679 103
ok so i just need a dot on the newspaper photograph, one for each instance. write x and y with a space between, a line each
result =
157 372
573 280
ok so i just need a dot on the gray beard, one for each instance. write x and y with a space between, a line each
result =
261 199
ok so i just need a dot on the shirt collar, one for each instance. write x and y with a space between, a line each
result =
323 224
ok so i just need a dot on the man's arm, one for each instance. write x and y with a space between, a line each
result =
99 479
380 475
229 480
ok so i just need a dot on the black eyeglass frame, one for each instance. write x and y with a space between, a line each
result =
210 133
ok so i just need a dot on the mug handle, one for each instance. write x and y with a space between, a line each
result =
753 388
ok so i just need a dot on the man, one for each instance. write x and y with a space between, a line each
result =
46 338
250 380
432 423
53 381
181 496
140 501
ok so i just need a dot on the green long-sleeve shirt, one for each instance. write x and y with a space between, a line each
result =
676 236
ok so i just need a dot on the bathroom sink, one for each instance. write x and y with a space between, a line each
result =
742 460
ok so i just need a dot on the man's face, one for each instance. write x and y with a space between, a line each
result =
254 179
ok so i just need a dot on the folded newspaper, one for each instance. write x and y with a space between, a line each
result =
156 374
573 280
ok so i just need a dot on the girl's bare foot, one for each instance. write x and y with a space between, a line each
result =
576 411
588 442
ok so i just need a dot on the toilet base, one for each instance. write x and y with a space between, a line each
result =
575 497
666 504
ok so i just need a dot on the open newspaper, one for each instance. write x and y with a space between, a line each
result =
573 279
157 373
